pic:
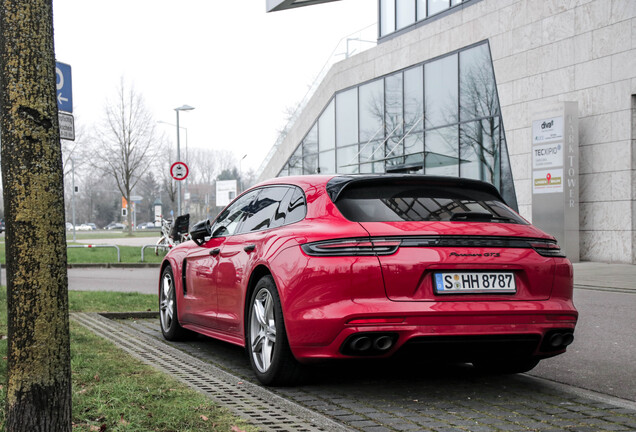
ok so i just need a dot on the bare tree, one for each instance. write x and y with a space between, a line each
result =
128 144
39 367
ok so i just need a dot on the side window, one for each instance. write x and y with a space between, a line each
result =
228 221
264 211
297 208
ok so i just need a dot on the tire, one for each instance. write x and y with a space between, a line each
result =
168 319
266 339
508 366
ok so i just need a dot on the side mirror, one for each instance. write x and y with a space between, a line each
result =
200 231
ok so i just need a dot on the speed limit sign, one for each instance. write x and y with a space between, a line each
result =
179 171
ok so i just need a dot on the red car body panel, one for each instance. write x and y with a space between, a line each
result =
326 299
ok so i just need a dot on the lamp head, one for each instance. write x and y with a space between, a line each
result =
184 108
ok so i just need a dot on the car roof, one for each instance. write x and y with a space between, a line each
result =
336 183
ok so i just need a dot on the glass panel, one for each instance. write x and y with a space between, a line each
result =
387 17
413 100
296 162
507 188
440 82
414 148
310 143
265 212
371 111
327 128
477 90
435 6
421 9
369 152
417 200
479 150
348 160
284 172
455 2
327 162
310 164
393 106
347 117
228 221
405 14
442 152
297 207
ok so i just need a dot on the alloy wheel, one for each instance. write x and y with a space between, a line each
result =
263 330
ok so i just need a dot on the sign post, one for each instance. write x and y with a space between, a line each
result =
64 96
555 175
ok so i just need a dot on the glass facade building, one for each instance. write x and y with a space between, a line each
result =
398 14
440 117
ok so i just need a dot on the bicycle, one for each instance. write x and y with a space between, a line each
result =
173 233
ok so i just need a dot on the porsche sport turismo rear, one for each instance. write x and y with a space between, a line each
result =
373 265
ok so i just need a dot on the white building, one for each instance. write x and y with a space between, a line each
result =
454 87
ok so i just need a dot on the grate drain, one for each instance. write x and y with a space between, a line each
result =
257 405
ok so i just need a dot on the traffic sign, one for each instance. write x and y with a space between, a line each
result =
179 171
67 126
136 198
64 84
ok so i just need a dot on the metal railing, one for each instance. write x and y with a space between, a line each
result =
99 246
152 246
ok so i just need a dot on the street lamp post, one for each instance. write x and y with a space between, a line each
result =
181 108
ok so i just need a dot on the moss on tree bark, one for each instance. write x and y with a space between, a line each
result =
39 383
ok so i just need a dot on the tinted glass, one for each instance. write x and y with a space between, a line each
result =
440 81
422 203
372 151
479 150
421 9
405 13
327 162
371 111
327 128
347 159
297 208
310 143
413 99
228 221
265 211
296 162
477 90
387 17
347 117
393 106
435 6
442 152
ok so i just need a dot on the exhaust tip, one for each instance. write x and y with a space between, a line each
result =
383 343
360 344
369 343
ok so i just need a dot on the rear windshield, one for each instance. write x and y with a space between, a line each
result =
397 203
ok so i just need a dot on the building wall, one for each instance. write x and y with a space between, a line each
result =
543 51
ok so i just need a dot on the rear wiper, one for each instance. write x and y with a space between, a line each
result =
477 216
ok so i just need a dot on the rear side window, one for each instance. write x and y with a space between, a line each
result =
265 211
398 203
297 207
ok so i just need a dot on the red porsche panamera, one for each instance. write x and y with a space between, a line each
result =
300 269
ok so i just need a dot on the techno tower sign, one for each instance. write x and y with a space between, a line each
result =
555 174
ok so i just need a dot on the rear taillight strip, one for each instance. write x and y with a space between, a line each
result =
389 245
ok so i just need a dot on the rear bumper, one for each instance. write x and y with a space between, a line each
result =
441 329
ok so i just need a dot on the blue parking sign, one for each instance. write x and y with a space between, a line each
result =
64 87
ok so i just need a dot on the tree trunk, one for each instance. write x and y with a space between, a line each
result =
39 378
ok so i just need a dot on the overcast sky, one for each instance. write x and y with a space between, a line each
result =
237 65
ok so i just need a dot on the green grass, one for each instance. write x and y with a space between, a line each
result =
83 235
129 255
113 391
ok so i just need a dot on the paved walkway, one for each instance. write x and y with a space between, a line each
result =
605 276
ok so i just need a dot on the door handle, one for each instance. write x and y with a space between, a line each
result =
215 251
249 248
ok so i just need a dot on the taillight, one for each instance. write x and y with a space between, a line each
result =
547 248
351 247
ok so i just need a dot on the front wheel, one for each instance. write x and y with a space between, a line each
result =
168 319
267 344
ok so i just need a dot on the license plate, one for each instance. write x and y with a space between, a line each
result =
481 282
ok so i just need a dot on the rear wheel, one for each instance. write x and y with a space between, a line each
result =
506 366
267 345
170 326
